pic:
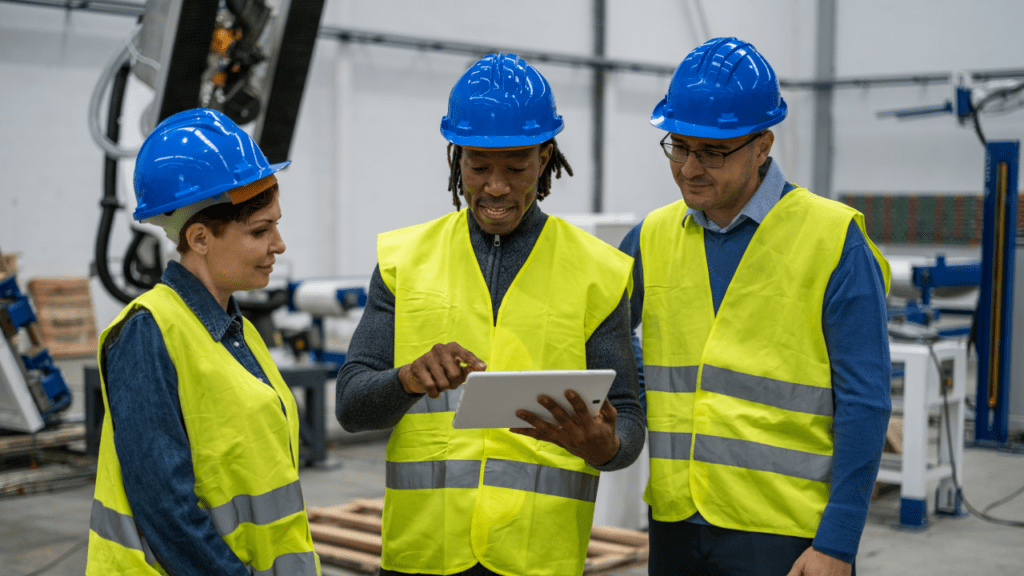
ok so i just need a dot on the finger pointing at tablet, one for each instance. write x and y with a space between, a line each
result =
443 367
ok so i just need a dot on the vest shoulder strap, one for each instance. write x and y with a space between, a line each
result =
395 245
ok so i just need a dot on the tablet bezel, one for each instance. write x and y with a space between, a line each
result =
490 399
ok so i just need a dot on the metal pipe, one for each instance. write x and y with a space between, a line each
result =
821 177
597 109
608 64
117 7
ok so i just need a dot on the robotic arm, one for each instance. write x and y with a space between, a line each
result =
240 57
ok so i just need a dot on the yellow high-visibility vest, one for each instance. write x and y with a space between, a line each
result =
739 404
244 454
455 498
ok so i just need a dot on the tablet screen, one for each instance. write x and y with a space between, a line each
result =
491 399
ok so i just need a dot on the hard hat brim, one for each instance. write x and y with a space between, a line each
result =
661 121
500 141
187 198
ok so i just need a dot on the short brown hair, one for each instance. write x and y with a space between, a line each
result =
218 216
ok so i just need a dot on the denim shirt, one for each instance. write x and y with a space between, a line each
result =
151 442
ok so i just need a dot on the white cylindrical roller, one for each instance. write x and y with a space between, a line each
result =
320 297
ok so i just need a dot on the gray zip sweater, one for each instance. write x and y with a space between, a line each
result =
370 396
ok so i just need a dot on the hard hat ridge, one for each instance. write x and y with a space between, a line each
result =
501 101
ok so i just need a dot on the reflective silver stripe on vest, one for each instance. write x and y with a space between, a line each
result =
119 528
756 456
541 479
768 391
669 445
294 564
432 474
448 401
679 379
260 510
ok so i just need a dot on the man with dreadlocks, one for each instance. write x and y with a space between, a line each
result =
498 286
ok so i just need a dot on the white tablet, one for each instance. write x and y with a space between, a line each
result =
490 399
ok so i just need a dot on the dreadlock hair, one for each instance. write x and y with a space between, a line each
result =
556 163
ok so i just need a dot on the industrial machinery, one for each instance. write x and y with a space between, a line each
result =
929 366
931 376
32 389
992 328
246 58
931 369
323 298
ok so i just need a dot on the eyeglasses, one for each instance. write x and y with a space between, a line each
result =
708 158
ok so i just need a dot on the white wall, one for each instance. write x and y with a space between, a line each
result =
368 155
933 154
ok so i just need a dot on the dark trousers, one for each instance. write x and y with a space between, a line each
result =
477 570
685 548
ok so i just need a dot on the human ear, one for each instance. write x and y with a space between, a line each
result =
545 155
198 238
764 147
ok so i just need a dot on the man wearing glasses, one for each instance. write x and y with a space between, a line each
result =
765 354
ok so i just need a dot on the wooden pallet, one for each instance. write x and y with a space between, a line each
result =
13 444
67 322
349 536
52 465
8 264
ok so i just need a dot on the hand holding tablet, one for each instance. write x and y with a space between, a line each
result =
490 399
566 408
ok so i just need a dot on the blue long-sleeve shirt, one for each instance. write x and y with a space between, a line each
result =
854 325
150 438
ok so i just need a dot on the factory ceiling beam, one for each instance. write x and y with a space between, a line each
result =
608 64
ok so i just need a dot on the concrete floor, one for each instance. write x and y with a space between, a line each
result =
36 529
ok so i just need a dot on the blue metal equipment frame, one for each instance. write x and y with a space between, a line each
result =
52 395
995 303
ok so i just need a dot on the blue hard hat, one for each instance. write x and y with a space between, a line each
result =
192 156
500 102
722 89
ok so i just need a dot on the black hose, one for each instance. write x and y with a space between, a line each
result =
136 272
109 202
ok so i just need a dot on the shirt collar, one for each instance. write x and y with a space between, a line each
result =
773 181
200 301
533 217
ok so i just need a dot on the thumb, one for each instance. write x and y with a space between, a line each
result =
608 412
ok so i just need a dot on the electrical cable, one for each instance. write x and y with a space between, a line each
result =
977 126
78 546
1001 94
952 460
109 202
122 58
139 271
1002 501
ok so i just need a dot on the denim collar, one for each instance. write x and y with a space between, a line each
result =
764 199
200 301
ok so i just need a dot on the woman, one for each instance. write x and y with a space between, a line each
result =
198 462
